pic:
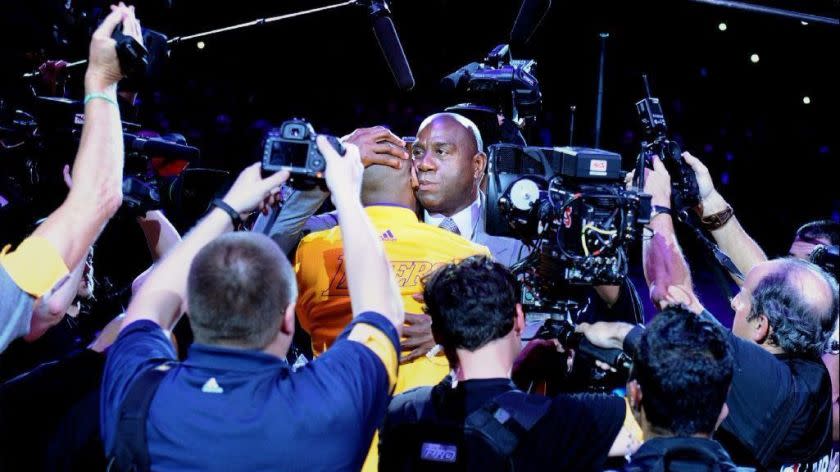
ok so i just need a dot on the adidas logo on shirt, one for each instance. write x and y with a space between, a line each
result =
212 386
388 236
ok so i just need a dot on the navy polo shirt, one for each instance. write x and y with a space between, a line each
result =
231 409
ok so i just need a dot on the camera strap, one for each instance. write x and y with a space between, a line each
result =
131 449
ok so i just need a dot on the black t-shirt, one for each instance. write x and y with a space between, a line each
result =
680 454
765 390
575 434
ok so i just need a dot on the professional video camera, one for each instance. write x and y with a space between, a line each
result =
686 193
570 204
498 85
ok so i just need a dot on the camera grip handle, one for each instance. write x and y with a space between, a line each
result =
613 357
133 56
337 145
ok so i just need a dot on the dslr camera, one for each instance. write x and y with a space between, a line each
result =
686 192
292 147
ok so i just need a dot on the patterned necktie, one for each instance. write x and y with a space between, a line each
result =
449 225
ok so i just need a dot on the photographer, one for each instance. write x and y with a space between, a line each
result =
40 263
718 217
780 400
241 293
71 317
479 420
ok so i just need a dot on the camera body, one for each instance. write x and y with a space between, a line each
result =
502 84
292 147
685 191
570 204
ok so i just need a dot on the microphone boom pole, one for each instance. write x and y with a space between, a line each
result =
248 24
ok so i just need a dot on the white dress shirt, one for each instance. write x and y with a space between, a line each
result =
466 219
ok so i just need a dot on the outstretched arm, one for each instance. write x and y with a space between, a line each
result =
731 237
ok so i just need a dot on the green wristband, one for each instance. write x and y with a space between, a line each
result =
94 95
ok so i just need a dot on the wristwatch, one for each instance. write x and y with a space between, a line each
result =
235 219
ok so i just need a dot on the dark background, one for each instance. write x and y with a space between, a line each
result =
772 156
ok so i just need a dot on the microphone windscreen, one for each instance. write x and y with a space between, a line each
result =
391 47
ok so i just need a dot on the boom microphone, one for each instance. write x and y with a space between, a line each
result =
531 14
389 42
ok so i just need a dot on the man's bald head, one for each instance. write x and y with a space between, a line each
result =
384 184
450 163
465 122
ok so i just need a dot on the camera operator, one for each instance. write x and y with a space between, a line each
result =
241 294
734 240
71 317
462 424
780 400
63 434
41 261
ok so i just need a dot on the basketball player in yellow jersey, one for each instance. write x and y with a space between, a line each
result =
414 249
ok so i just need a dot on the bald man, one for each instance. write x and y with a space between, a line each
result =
450 163
780 400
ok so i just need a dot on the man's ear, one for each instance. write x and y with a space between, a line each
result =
634 396
519 320
479 161
724 412
761 329
288 325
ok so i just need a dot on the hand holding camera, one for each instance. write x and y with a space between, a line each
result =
104 64
250 191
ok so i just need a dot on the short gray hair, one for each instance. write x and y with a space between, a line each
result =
799 325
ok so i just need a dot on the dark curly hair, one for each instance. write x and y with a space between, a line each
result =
684 366
799 326
471 303
815 231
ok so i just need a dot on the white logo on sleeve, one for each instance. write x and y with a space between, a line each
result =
211 386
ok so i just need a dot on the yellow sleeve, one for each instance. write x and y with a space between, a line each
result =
35 266
378 342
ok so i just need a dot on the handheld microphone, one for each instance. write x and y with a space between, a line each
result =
389 42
